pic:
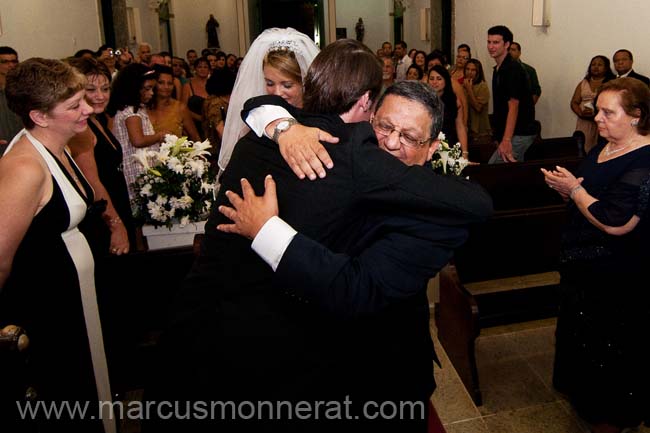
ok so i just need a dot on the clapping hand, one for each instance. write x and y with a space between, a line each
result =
561 180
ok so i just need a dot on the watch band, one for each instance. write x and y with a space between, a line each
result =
278 130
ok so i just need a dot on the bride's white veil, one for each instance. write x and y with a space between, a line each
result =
250 79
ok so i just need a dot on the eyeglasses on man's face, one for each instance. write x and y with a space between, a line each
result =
14 61
385 129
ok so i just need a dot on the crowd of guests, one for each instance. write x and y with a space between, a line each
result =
472 91
138 99
351 316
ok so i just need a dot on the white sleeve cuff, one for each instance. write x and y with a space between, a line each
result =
272 241
258 118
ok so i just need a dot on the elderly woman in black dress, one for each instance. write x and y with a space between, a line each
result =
604 322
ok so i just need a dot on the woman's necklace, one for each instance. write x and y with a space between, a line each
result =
608 150
69 169
595 83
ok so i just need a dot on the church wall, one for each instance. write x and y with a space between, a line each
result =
189 21
47 28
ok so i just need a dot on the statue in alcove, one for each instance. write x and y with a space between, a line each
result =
211 29
360 29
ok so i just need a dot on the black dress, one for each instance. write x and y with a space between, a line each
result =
108 156
48 293
195 105
604 322
449 121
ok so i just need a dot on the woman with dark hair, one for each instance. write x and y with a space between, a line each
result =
99 155
452 125
420 60
478 98
194 92
215 107
604 319
132 91
165 112
583 99
47 270
414 72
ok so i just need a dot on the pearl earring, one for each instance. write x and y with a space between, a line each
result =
635 122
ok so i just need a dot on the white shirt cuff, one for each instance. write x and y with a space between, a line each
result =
258 118
272 241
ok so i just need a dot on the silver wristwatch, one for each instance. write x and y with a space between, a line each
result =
282 126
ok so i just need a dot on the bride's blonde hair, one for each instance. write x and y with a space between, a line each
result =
285 61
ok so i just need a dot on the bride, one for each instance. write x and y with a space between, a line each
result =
275 64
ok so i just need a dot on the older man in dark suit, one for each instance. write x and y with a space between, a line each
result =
248 336
623 64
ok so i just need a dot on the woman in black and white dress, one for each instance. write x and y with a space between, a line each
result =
46 266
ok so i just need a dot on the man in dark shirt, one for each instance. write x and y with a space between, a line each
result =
515 52
513 119
10 124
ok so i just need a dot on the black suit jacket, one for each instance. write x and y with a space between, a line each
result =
250 337
639 77
376 291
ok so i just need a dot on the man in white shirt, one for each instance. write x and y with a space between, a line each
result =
403 61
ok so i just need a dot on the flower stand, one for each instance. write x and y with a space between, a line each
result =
162 237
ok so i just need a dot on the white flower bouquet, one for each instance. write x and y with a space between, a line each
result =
176 183
448 159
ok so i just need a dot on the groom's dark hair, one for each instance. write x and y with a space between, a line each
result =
339 75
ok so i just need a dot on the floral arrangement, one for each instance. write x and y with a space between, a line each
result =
176 183
448 159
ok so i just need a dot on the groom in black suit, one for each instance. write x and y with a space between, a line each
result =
375 289
248 338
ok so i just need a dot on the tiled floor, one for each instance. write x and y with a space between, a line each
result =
515 365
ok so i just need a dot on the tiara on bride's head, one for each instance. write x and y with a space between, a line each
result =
284 45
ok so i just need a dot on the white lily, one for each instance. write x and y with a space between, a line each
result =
141 156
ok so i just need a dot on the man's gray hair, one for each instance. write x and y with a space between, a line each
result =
422 93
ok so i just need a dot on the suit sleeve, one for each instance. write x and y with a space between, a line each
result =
258 101
396 266
382 180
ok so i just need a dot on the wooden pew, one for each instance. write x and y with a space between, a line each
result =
554 148
542 148
521 239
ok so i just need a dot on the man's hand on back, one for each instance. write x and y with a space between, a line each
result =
300 146
251 212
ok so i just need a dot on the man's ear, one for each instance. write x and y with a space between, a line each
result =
365 102
432 148
39 118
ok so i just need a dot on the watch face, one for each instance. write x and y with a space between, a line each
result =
283 125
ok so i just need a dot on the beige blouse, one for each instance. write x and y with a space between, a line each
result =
479 122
